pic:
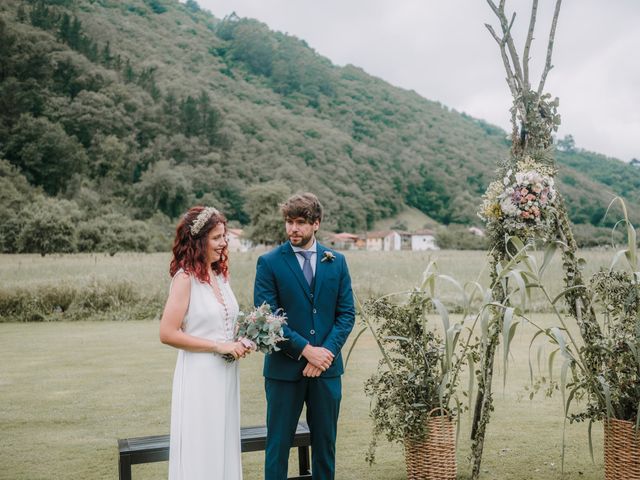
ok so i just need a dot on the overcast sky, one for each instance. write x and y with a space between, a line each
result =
442 50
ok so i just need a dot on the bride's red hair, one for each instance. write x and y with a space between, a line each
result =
189 251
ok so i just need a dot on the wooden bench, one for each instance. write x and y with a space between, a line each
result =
253 439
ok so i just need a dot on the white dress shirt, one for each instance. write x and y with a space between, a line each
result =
313 248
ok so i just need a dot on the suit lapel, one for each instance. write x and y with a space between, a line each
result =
291 260
321 268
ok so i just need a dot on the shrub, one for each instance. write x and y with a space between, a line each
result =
35 305
156 6
586 235
10 226
98 297
458 237
114 233
45 233
49 303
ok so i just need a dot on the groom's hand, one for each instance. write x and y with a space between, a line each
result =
311 371
319 357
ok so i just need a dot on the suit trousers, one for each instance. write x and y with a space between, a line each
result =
285 400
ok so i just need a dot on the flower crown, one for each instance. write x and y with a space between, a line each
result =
202 218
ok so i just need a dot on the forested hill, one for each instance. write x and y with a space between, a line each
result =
116 115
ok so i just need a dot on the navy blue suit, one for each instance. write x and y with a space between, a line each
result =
320 315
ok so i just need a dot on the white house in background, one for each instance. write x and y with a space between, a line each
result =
393 241
237 243
424 240
343 241
405 240
387 241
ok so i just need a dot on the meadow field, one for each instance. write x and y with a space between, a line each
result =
134 285
71 386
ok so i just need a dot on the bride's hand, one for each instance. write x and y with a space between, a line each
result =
247 349
248 344
235 349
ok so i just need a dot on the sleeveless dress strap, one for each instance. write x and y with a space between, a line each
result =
181 270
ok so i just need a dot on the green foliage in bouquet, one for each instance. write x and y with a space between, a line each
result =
262 327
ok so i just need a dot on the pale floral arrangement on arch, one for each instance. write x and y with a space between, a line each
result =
522 202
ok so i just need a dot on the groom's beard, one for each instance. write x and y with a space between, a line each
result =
302 241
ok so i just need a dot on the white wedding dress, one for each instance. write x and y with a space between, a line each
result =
205 405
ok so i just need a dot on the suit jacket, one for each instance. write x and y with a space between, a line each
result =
322 317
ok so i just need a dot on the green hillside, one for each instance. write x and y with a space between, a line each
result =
409 219
116 115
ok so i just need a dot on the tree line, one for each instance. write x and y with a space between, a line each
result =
101 130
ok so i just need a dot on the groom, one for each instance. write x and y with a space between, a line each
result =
312 285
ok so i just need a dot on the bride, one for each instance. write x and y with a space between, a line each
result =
199 319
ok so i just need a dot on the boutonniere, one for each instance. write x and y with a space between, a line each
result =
328 257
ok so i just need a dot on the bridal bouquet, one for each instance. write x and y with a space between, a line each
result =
260 329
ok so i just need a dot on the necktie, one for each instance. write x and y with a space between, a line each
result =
307 271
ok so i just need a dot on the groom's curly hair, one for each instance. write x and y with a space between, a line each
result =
305 205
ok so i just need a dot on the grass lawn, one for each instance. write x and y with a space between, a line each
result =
68 390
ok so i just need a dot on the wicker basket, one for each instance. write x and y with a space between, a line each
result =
621 450
433 457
